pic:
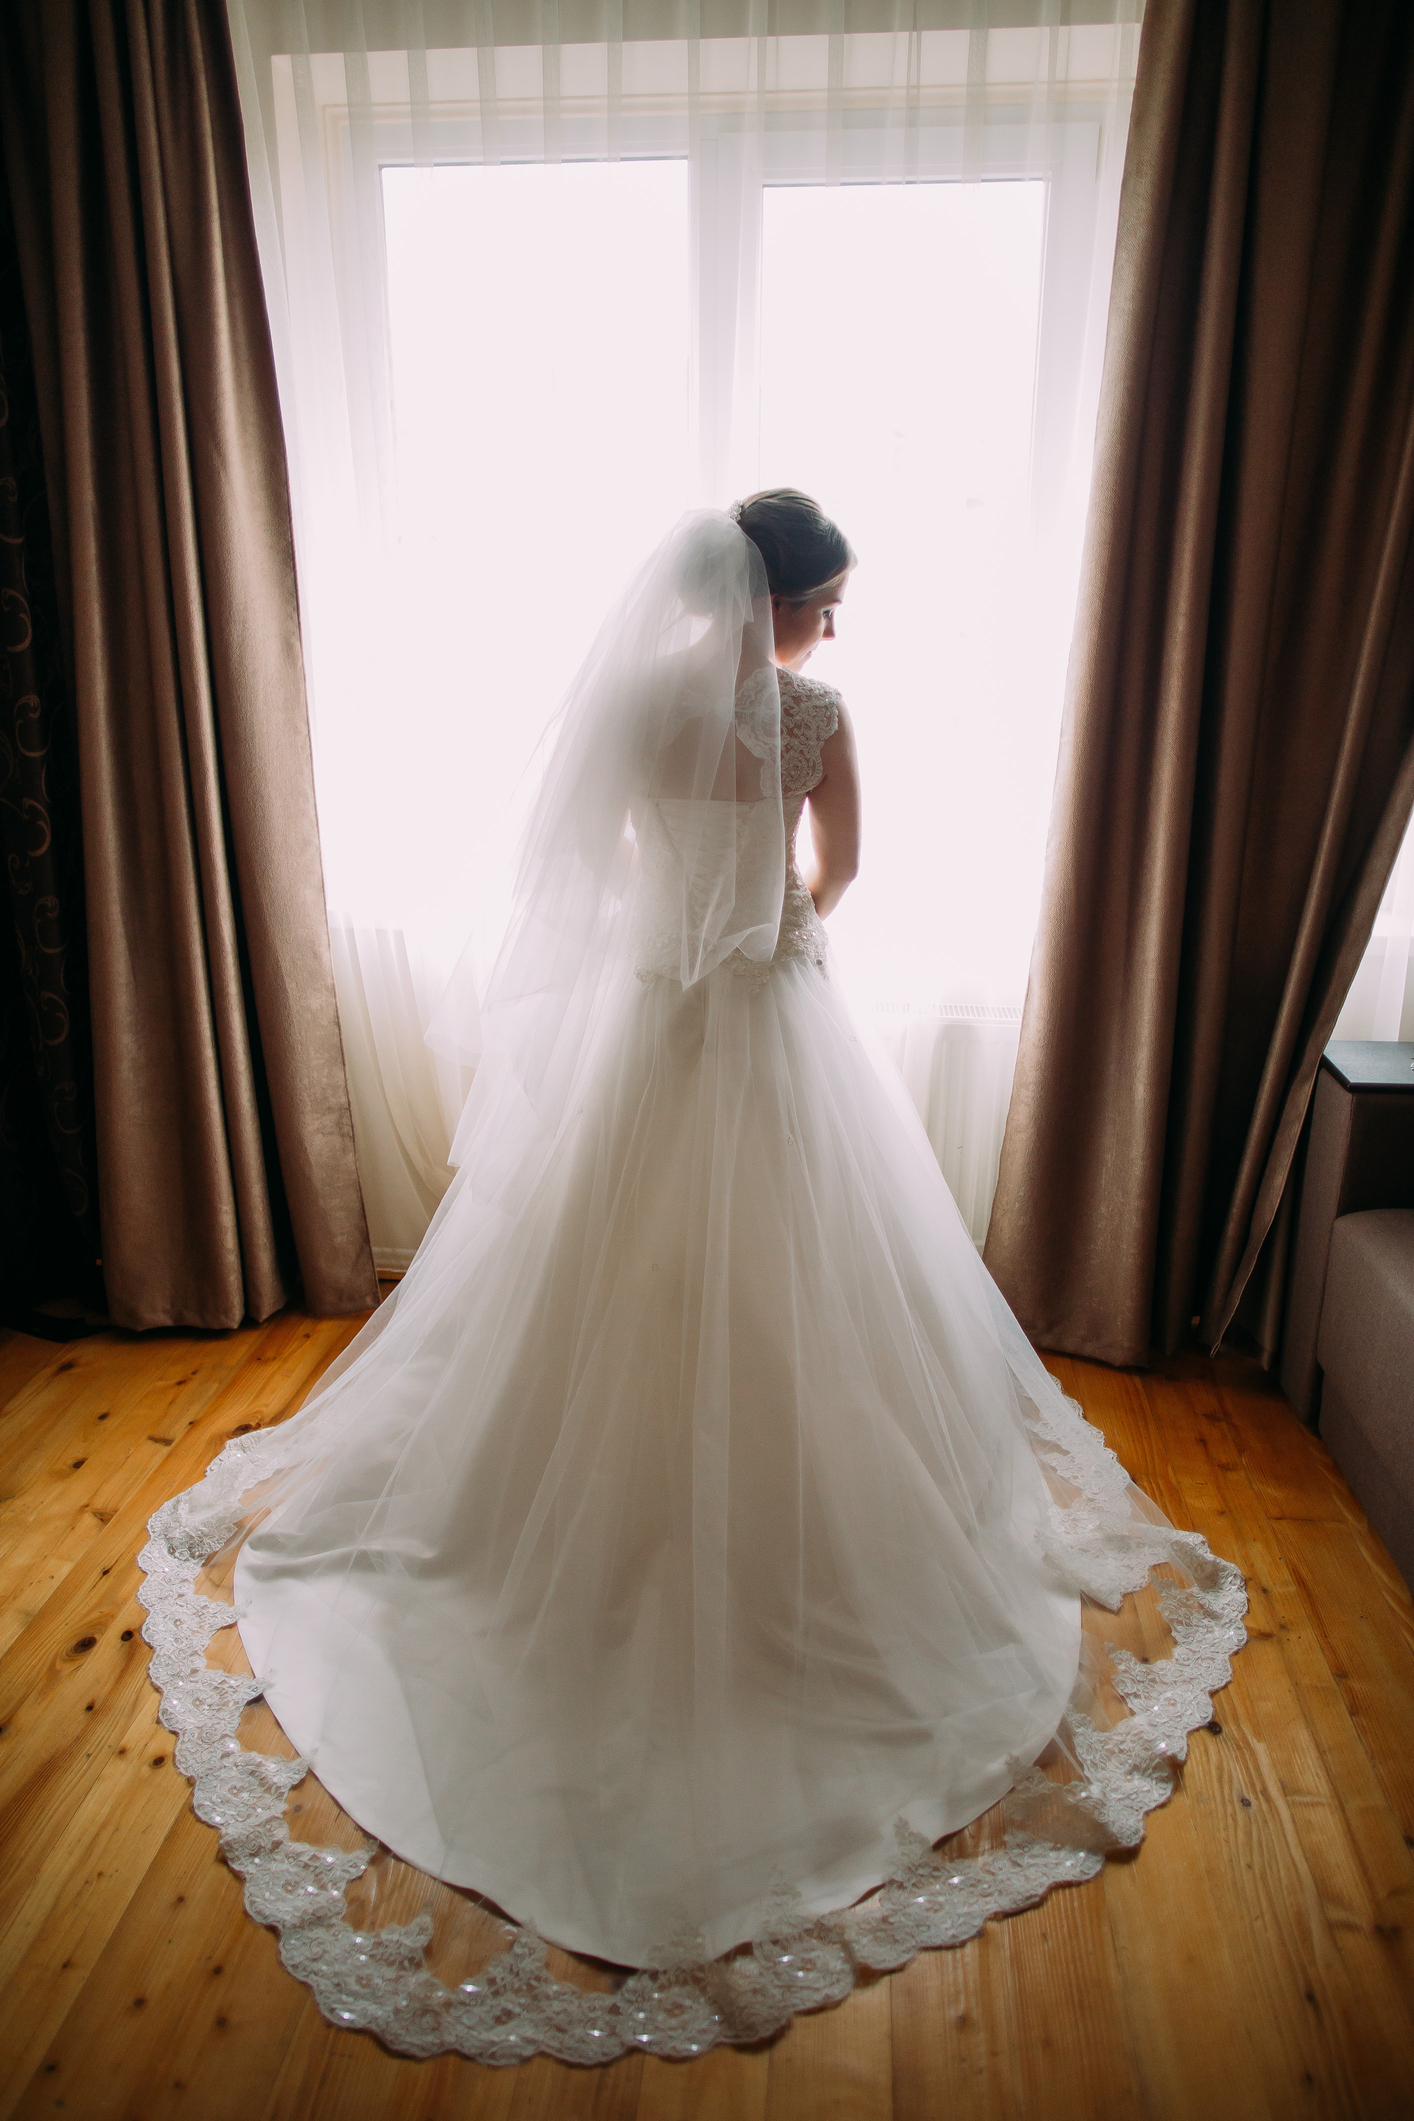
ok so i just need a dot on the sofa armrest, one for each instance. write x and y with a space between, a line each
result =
1359 1154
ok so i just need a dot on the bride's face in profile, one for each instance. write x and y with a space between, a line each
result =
800 626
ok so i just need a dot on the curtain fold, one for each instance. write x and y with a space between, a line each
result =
225 1149
1237 762
49 1225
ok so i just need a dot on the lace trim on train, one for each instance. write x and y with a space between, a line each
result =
378 1980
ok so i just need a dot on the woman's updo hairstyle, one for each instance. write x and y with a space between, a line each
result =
801 547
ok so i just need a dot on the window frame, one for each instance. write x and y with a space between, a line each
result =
858 139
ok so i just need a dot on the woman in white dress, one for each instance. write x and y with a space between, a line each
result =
694 1538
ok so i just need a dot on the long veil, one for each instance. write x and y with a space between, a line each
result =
656 835
672 722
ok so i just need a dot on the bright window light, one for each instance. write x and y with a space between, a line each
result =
540 319
899 329
540 324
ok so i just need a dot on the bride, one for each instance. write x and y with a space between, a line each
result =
693 1539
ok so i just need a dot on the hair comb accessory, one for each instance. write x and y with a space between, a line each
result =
735 511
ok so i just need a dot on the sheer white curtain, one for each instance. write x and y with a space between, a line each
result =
543 274
1380 1003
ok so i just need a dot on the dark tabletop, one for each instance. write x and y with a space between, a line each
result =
1372 1063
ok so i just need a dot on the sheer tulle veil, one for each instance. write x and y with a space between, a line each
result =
676 705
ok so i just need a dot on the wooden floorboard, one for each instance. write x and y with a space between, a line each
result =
1255 1959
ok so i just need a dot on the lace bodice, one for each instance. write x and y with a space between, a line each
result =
810 715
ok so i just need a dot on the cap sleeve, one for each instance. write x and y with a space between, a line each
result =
810 715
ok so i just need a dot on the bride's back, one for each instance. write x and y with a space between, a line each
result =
693 754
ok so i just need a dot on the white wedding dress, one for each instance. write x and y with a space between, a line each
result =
694 1538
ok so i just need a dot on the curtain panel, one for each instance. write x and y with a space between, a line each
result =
49 1224
224 1143
390 145
1237 764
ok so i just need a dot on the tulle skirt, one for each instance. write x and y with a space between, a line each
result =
695 1519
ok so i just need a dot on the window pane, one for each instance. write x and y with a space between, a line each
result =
539 319
898 361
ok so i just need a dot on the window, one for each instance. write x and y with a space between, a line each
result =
530 302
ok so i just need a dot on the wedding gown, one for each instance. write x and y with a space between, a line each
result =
693 1539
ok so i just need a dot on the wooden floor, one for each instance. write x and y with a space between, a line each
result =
1256 1959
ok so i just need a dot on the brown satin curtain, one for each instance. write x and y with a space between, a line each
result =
226 1166
49 1234
1237 761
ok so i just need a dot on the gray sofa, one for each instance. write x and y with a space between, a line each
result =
1348 1347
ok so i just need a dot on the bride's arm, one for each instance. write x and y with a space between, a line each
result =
834 821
